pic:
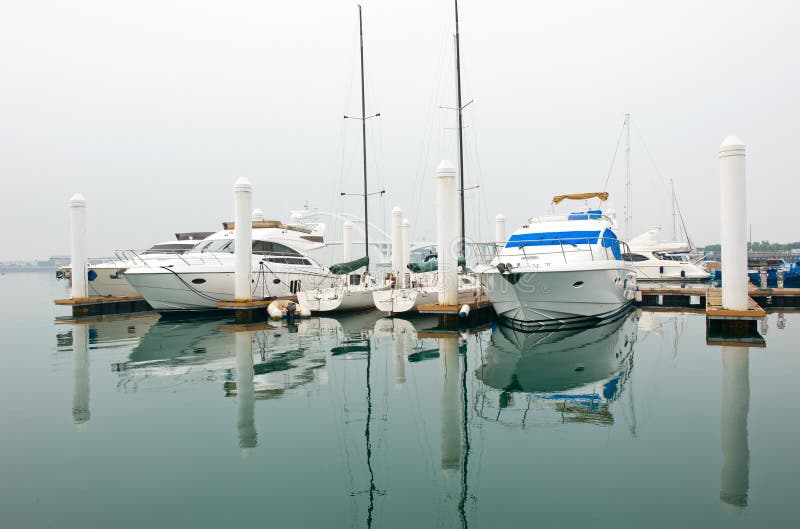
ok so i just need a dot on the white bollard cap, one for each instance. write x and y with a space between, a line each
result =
77 201
445 169
348 224
500 216
258 214
731 146
406 222
397 212
243 185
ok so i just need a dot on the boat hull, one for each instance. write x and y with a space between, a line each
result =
181 291
336 299
397 301
541 297
669 271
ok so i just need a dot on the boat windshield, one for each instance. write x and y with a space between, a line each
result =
259 248
170 248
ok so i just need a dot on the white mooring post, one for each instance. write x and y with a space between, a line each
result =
499 230
405 229
447 233
243 237
397 241
78 246
347 241
733 210
735 478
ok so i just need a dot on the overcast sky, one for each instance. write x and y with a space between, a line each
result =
152 109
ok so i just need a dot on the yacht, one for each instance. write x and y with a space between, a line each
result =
107 278
657 260
204 276
561 269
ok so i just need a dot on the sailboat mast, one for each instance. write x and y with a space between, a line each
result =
364 139
460 134
672 190
627 176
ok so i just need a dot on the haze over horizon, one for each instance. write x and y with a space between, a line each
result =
151 110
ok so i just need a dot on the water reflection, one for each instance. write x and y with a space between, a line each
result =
735 477
450 405
575 372
80 374
246 400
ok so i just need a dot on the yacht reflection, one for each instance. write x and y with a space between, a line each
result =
577 372
735 477
200 350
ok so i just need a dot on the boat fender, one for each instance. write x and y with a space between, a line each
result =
464 311
637 296
92 275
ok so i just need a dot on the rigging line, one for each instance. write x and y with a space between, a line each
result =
430 125
663 180
614 158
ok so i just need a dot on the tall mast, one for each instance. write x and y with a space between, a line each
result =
460 134
627 177
364 139
672 190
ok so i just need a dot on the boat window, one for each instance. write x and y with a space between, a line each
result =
633 257
268 247
217 246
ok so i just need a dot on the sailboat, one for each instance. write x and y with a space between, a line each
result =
422 287
349 292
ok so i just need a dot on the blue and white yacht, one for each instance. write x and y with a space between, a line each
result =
561 269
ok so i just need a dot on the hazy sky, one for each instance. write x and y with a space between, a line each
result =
152 109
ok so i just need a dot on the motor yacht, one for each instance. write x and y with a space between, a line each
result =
107 278
561 269
204 276
657 260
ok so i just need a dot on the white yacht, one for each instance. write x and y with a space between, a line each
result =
657 260
204 276
107 278
561 269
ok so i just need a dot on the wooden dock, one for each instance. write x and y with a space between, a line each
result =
99 306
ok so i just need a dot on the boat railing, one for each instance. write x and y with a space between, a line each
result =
543 250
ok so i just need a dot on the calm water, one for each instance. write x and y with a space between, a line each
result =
358 422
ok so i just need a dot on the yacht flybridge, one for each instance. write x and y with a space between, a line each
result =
561 269
203 277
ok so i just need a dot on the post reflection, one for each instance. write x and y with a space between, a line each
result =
735 477
80 374
450 402
246 396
